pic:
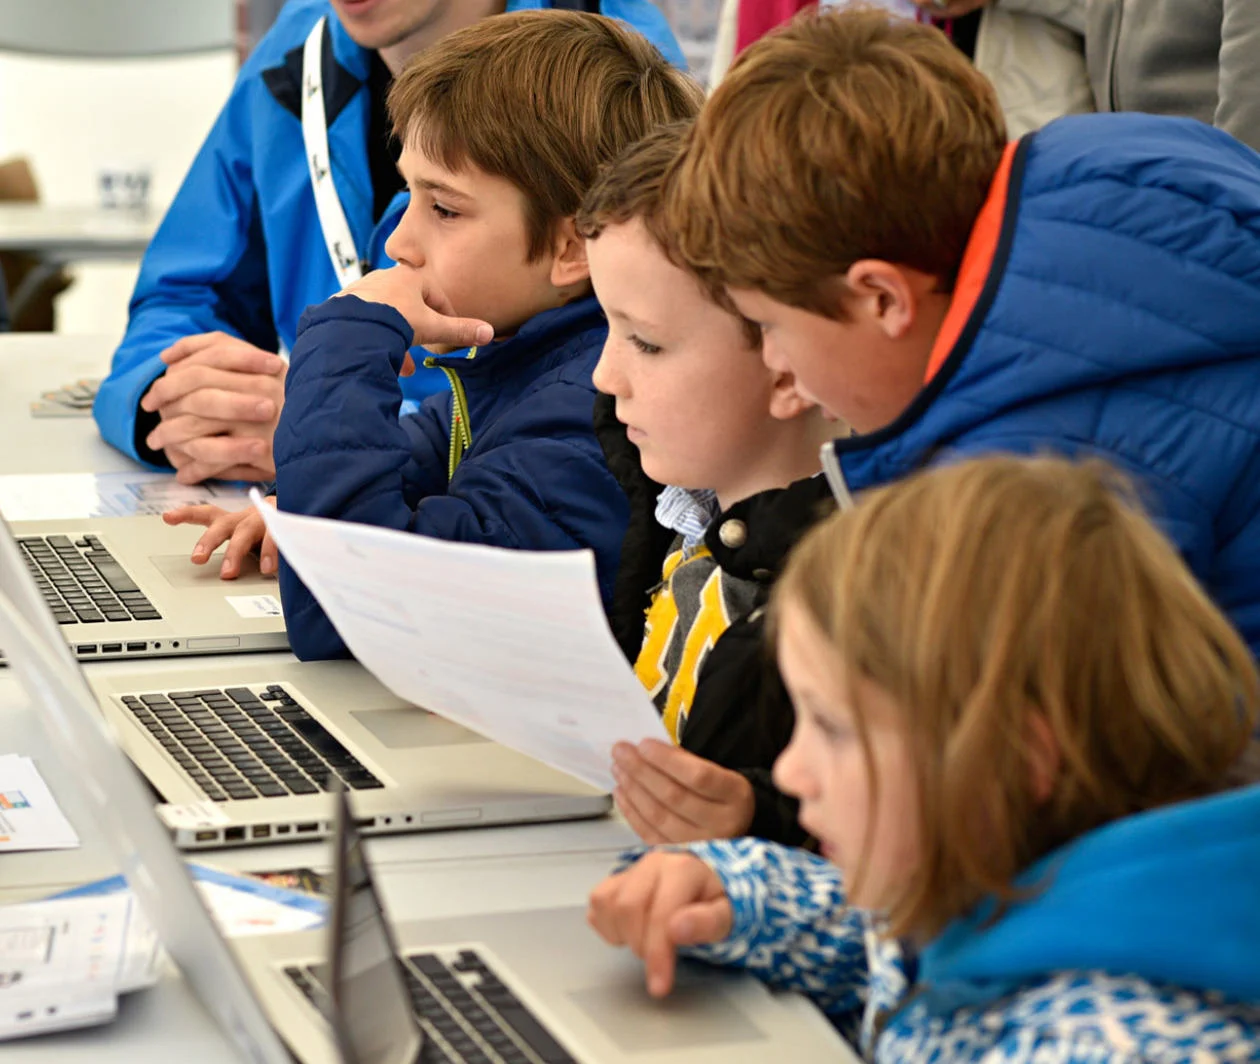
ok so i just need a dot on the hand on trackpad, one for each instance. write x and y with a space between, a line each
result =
697 1013
179 571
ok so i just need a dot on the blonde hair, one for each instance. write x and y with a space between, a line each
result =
544 99
842 136
982 593
633 187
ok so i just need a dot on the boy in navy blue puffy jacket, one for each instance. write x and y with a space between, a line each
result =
504 126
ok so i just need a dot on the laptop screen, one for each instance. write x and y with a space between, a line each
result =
370 1008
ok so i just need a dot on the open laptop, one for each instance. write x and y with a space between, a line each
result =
561 993
123 587
253 747
513 987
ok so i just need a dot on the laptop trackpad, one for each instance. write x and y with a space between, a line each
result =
180 572
402 729
697 1013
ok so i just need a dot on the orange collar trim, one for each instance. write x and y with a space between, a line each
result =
976 264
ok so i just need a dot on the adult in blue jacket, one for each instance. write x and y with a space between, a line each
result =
1091 290
245 248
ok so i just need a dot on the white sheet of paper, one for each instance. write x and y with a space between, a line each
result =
68 496
64 960
238 913
512 644
30 818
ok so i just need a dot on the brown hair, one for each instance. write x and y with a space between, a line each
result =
541 98
842 136
634 186
981 593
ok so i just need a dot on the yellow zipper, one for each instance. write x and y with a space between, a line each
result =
461 425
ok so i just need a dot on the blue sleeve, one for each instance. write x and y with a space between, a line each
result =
536 480
205 270
792 927
647 18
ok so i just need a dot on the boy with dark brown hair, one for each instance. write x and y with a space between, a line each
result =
504 125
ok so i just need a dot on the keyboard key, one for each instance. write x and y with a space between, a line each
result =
112 573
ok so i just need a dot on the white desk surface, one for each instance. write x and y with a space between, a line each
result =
431 874
34 363
75 232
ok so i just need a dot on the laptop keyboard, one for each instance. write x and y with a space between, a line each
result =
241 742
82 582
468 1014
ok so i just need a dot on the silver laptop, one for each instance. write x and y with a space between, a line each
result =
262 743
541 978
253 747
125 587
514 987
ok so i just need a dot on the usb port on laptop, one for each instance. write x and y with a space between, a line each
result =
86 648
111 648
135 648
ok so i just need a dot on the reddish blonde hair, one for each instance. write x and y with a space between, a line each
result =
635 186
842 136
981 593
544 99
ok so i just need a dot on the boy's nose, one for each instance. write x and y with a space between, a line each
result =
606 378
402 247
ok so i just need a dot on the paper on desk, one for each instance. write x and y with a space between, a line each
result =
512 644
66 496
240 905
30 818
64 961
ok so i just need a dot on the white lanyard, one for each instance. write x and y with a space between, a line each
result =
332 219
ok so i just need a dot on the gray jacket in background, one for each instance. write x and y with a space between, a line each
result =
1180 57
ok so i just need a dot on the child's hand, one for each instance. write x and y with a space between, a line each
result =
670 795
431 317
663 901
243 530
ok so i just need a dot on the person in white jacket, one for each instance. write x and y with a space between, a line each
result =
1200 60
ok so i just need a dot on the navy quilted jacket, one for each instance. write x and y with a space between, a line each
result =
1117 314
534 477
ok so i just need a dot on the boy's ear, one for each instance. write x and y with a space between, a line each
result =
883 294
785 401
568 261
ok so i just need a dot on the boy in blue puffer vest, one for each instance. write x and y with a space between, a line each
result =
1019 720
504 125
1093 289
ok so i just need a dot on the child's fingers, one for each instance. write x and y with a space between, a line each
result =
218 531
673 812
629 901
245 537
684 880
269 556
639 824
200 514
692 773
702 923
600 909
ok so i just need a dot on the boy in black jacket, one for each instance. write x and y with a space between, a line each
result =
689 403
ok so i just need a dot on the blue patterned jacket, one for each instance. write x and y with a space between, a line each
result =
1140 944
